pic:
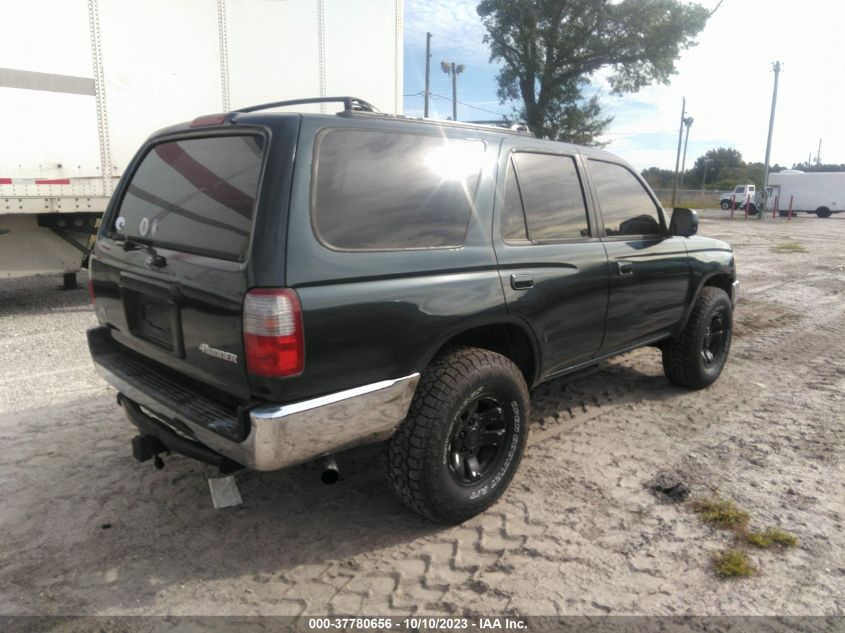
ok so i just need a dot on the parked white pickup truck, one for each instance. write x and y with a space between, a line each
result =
740 195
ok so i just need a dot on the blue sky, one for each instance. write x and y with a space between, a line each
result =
727 80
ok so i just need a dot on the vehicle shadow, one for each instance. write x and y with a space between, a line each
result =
89 516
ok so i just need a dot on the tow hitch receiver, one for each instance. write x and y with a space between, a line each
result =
145 447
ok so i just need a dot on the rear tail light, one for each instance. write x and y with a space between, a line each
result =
273 336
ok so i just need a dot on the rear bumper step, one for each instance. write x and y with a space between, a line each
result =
279 435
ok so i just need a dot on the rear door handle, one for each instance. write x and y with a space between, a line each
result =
626 269
522 281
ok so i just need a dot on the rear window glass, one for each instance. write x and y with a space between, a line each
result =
196 195
377 190
552 196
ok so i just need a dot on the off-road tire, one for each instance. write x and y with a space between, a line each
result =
683 360
418 454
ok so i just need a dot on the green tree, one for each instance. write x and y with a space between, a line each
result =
550 49
722 164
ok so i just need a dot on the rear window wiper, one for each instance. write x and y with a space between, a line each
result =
153 261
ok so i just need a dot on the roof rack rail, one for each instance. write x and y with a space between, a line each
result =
350 104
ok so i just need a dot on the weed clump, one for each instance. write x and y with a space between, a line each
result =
771 537
733 563
722 513
789 247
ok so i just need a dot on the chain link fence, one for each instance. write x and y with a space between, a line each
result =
690 198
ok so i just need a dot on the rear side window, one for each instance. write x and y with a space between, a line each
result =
625 205
377 190
196 195
513 216
552 196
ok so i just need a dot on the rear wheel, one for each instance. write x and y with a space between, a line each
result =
695 358
823 212
725 204
462 441
752 210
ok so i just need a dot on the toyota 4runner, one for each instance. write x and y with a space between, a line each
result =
274 287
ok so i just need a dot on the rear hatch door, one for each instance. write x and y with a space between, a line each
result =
170 271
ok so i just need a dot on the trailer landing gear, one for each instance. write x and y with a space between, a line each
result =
69 281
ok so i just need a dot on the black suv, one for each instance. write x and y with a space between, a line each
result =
273 287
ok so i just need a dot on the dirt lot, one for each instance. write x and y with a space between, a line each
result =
86 530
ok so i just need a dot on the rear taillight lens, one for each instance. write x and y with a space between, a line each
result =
273 336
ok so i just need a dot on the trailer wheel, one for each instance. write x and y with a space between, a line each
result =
823 212
725 204
783 212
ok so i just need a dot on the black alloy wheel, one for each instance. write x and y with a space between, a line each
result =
479 442
714 337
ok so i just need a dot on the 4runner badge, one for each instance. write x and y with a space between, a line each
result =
205 348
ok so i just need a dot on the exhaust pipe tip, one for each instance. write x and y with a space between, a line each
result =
331 472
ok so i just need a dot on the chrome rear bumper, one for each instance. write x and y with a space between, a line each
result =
734 293
288 434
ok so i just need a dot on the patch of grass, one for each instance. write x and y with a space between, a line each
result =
789 247
733 563
771 537
722 513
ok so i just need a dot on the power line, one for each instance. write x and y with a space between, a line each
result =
469 105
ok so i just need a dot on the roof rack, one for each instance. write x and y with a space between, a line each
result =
350 104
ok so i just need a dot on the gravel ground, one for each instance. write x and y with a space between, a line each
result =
86 530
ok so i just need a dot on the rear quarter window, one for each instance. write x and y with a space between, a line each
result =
382 190
196 195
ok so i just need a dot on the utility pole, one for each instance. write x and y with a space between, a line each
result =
450 68
707 162
427 92
760 214
688 123
678 155
819 154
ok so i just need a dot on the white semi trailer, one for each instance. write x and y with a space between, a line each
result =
84 82
822 192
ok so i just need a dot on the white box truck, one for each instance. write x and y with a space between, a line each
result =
821 192
84 82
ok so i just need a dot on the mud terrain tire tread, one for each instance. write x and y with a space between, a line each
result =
681 360
418 440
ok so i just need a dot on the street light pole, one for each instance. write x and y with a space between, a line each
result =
427 92
450 68
776 68
678 155
688 123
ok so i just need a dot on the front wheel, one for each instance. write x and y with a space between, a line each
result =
725 204
459 447
695 358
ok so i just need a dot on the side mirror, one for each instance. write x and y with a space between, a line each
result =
684 222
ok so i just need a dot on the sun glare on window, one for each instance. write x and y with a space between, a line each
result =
455 161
